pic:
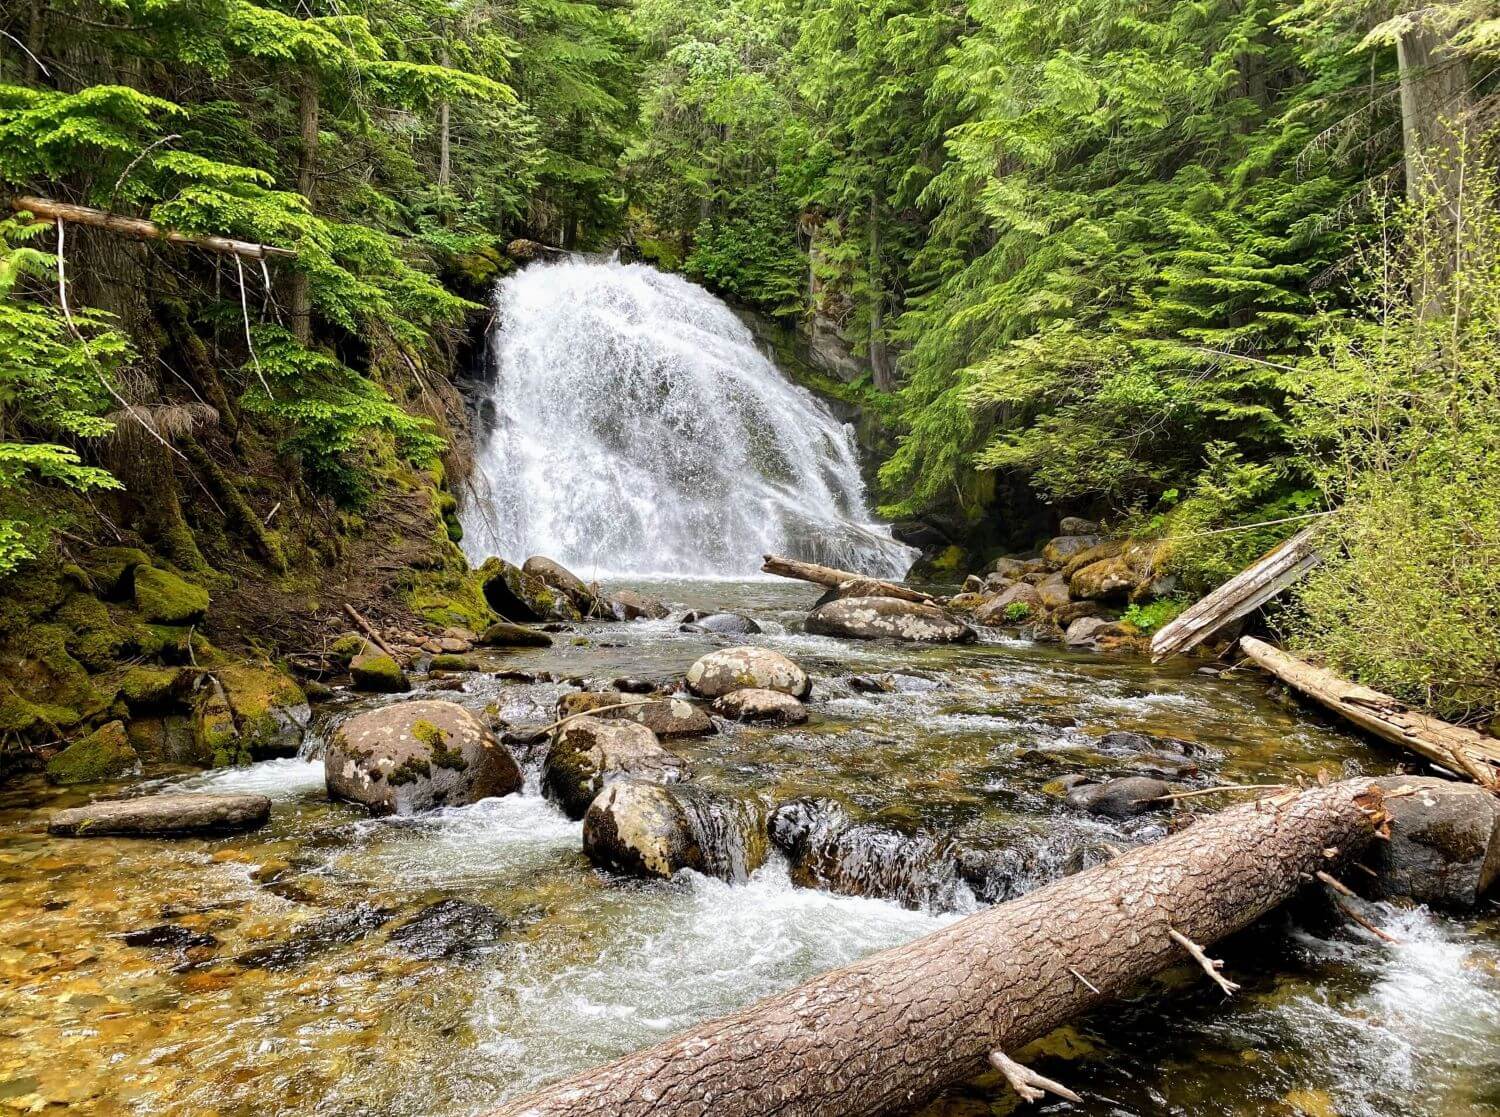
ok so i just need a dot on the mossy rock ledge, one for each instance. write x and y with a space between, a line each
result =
104 754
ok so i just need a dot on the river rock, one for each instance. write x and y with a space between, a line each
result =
151 816
1122 798
997 610
1053 592
973 584
755 704
519 596
875 618
1080 633
968 602
666 717
1064 547
271 712
504 634
1077 525
632 606
560 578
447 928
720 672
1444 848
414 756
650 830
1005 567
309 939
1108 579
725 624
588 754
104 754
372 670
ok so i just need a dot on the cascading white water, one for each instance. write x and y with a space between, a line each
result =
638 430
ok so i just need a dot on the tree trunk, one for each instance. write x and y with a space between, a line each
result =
1434 99
445 161
833 578
300 294
1452 746
880 358
888 1032
34 45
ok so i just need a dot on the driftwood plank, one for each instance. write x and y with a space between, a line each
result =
1462 750
1246 591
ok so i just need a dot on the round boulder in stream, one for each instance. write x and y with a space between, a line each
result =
720 672
588 753
758 704
877 618
666 717
414 756
648 830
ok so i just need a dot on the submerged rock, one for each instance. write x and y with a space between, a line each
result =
666 717
588 753
1121 798
104 754
375 671
1445 842
152 816
315 936
725 624
649 830
757 704
875 618
720 672
447 928
414 756
168 936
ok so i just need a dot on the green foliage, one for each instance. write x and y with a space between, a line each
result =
1399 418
1017 611
1149 616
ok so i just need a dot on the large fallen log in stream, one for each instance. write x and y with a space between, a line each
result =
855 585
1473 754
888 1032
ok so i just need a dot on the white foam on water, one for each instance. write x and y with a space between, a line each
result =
675 954
289 778
638 430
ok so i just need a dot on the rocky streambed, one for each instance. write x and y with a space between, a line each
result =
341 962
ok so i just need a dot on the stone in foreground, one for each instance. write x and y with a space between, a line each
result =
757 704
587 754
877 618
1445 842
649 830
153 816
666 717
414 756
1122 798
720 672
374 671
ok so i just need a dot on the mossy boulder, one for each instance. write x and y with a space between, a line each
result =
448 661
652 830
113 569
375 671
164 598
93 637
518 596
730 669
165 739
588 753
270 711
104 754
216 737
346 647
415 756
503 634
560 578
155 688
666 717
1109 579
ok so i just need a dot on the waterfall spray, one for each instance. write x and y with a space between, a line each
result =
638 430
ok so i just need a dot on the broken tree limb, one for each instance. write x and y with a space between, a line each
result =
887 1032
1245 592
369 630
141 229
1453 747
834 578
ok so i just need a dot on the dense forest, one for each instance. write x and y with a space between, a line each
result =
1205 272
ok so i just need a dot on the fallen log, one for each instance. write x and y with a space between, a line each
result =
834 579
888 1032
1245 592
141 229
1475 755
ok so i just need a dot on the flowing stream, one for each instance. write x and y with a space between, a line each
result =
278 972
637 429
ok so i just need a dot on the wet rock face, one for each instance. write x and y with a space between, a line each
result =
519 596
587 754
446 929
1444 848
876 618
372 670
163 816
725 624
414 756
666 717
720 672
1064 547
1122 798
1108 579
632 606
560 578
648 830
755 704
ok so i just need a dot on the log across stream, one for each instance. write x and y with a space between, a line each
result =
277 964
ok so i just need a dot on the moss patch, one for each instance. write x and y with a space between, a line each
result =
443 756
262 699
378 673
154 688
104 754
113 569
164 598
448 662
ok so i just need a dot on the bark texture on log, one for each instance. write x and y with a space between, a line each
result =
1246 591
1458 749
141 229
890 1031
833 578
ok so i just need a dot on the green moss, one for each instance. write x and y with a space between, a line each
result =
444 757
346 647
104 754
409 771
448 598
94 639
32 719
447 662
113 568
164 598
261 698
153 688
378 673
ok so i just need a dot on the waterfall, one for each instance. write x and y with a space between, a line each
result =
635 429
